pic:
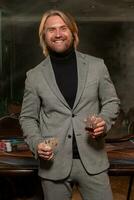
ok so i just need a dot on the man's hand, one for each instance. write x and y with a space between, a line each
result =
95 126
45 151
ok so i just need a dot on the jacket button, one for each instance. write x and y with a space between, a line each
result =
73 115
69 136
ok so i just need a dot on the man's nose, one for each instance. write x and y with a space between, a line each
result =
58 33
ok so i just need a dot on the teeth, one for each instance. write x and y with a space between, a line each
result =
58 41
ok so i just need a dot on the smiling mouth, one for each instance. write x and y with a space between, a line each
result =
58 41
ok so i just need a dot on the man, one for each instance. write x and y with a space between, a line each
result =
60 94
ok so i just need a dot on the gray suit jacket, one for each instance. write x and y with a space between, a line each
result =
45 114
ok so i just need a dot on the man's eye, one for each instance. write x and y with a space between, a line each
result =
64 28
51 30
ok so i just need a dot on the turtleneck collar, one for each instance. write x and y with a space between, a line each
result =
70 53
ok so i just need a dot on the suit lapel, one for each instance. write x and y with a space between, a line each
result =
48 72
82 69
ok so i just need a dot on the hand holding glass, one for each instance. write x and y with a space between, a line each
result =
91 124
51 144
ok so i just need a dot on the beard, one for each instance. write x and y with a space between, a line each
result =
59 49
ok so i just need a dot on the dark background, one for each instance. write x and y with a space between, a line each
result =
106 30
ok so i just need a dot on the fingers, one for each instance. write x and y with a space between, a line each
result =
98 128
45 151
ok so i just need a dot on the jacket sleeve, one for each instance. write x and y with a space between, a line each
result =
109 102
29 117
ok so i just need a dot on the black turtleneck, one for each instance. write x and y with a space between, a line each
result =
65 70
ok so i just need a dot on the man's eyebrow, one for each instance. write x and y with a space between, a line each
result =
50 27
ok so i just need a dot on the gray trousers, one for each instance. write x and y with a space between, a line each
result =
91 187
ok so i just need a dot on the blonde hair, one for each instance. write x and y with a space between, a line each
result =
69 21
